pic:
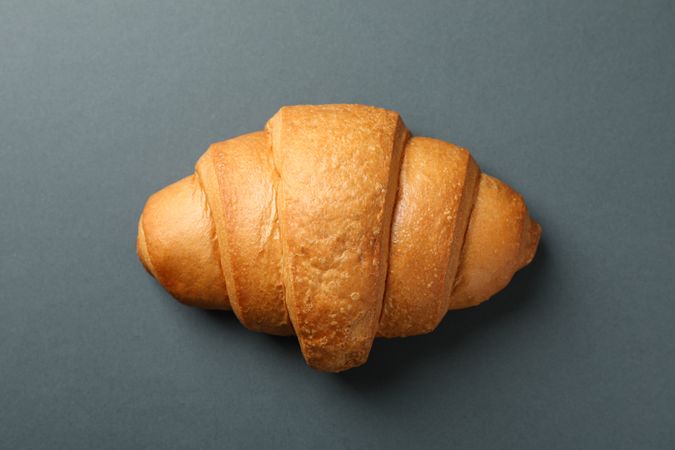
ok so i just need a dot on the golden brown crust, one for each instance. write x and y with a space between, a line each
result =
294 223
176 243
501 238
338 167
436 194
249 234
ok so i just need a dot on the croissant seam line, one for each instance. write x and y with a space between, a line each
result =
214 232
276 179
474 196
407 137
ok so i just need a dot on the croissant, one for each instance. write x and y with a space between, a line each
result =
336 225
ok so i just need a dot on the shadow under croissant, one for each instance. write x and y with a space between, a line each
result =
390 359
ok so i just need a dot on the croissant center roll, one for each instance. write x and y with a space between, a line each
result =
336 225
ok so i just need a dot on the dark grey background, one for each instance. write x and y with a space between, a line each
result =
102 103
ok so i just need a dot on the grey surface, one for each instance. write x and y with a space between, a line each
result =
102 103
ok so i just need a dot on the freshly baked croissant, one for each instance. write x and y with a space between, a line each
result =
336 225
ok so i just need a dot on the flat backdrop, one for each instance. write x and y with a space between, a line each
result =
104 102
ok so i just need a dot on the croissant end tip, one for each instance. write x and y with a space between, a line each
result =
531 242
